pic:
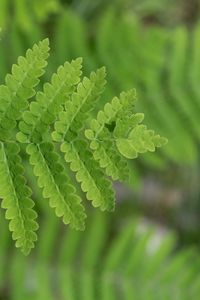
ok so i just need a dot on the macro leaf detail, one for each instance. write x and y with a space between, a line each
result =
56 185
19 86
97 187
55 131
49 103
16 197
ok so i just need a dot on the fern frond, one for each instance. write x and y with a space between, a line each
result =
110 159
98 189
67 105
118 124
20 86
106 153
16 197
81 103
111 264
177 80
43 112
139 140
102 142
107 119
56 184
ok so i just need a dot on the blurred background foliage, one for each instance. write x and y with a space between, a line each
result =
154 46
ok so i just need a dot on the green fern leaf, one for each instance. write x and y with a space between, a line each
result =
43 112
129 137
20 86
102 142
93 182
16 197
140 140
56 184
66 106
82 102
115 121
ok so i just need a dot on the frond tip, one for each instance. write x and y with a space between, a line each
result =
139 140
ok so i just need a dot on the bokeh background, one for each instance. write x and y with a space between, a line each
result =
149 248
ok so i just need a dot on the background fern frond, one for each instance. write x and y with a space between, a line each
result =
93 265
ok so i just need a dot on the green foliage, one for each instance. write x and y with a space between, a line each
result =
19 87
24 13
56 185
16 197
137 261
140 56
60 119
161 63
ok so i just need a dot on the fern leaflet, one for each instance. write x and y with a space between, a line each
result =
20 86
56 184
16 197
